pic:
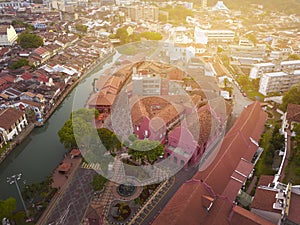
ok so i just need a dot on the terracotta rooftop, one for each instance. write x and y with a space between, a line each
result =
201 130
241 216
40 51
154 107
3 29
9 116
264 200
265 180
294 214
100 82
293 113
185 207
101 99
35 104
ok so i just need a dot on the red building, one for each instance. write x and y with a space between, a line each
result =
188 141
153 117
209 197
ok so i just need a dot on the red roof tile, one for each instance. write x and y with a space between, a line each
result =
185 207
264 200
26 76
294 214
293 113
242 216
265 180
9 116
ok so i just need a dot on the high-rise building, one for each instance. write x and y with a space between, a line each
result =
204 4
146 13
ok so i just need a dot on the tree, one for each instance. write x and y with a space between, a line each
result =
28 40
178 13
151 35
98 182
122 34
81 28
162 18
243 80
7 207
21 23
19 63
134 37
78 126
294 57
292 96
251 37
146 150
109 139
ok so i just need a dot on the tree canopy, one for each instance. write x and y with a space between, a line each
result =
292 96
151 35
124 37
146 150
28 40
7 207
79 124
109 139
98 182
81 28
178 13
19 63
21 23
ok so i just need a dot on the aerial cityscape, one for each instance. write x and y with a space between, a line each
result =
157 112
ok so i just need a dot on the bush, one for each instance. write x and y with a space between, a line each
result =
297 171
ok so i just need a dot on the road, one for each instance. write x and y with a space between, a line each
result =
239 103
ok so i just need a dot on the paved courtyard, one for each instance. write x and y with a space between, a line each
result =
70 207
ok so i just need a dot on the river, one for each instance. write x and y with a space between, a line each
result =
42 151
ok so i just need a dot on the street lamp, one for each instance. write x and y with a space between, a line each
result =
14 180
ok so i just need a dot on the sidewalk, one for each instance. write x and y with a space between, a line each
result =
60 181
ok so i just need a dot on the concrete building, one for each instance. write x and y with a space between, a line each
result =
12 122
260 68
139 12
8 35
146 85
257 52
14 4
278 81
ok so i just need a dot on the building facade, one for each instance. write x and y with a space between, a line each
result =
278 81
8 35
12 122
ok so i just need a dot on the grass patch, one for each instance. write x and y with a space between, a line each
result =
263 167
292 170
4 148
254 95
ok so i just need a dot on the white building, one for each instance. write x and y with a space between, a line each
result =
278 81
14 4
204 36
259 68
8 35
12 122
286 66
